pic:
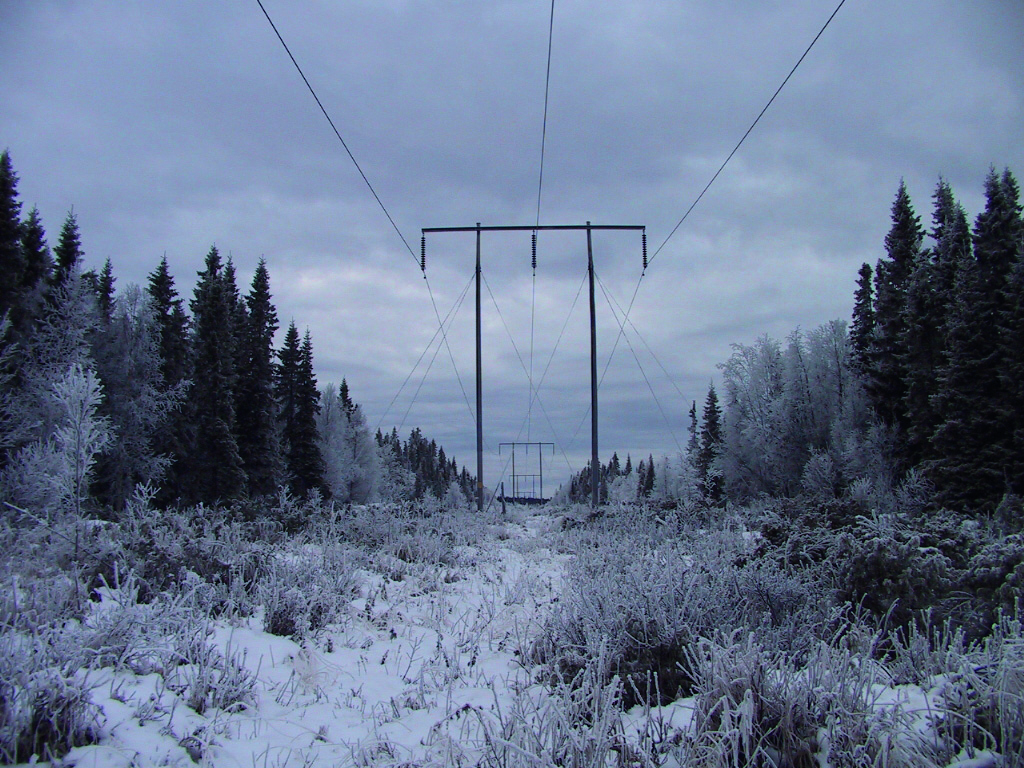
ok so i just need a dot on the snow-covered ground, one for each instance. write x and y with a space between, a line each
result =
415 674
432 661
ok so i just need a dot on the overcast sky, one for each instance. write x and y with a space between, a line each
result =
174 125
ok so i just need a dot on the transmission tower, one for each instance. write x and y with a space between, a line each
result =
594 462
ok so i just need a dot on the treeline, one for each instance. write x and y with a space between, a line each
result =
923 394
103 392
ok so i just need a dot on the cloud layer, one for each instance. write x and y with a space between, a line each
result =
170 126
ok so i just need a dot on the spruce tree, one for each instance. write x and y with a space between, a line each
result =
12 265
68 252
710 448
35 277
974 443
286 392
649 480
862 329
299 402
310 464
103 285
218 470
177 439
257 429
346 399
886 369
931 297
641 478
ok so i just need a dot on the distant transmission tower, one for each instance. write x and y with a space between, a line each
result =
594 462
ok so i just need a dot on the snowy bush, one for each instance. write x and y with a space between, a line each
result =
304 591
640 601
754 707
45 703
885 568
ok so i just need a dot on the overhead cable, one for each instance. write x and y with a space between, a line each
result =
337 132
751 128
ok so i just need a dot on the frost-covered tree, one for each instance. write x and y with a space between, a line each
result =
676 481
396 481
59 341
351 459
138 404
51 473
753 381
784 409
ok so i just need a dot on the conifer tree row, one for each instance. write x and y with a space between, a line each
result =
196 402
941 351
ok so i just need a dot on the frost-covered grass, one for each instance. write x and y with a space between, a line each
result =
402 635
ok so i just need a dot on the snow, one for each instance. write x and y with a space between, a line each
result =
402 680
425 667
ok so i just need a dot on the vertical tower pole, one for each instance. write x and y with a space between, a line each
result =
540 453
595 465
479 390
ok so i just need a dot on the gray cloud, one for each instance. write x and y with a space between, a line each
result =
174 125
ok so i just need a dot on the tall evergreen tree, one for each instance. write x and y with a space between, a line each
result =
218 470
31 293
102 285
862 329
886 371
930 302
710 448
177 440
286 391
299 402
257 411
310 463
1012 374
68 252
650 478
12 265
974 443
693 442
173 323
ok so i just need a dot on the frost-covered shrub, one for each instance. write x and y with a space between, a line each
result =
45 704
982 696
167 549
890 573
755 707
994 577
304 591
640 603
573 723
209 679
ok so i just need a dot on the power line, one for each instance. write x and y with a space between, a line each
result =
337 132
540 188
429 344
376 197
751 128
416 394
544 124
640 365
534 395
